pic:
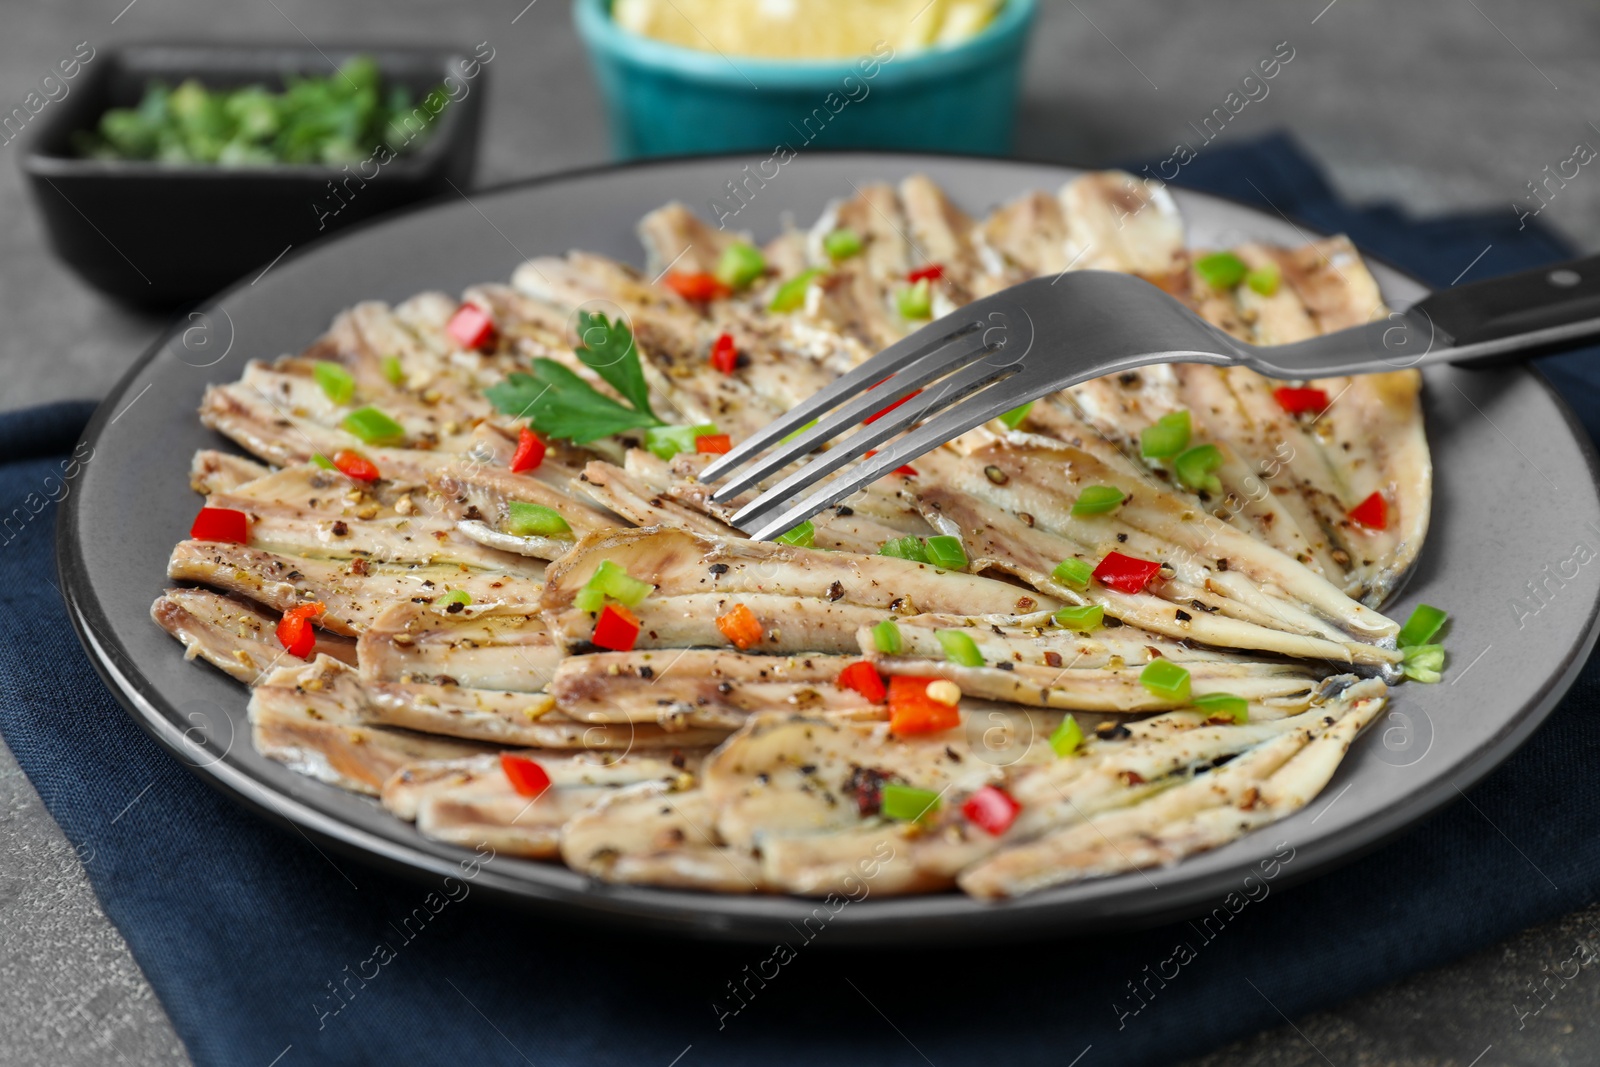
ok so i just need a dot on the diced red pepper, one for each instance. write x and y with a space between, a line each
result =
701 288
913 711
714 444
874 418
991 809
1301 401
616 629
1373 513
526 777
1127 574
741 627
221 524
863 677
933 272
355 465
905 470
725 354
294 629
471 327
529 454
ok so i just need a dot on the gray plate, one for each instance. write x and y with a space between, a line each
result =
1506 451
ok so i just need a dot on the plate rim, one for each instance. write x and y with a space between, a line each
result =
757 918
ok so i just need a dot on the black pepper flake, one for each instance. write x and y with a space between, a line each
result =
955 757
455 607
1005 666
1113 731
719 568
808 768
677 759
1181 615
647 671
1222 564
865 787
340 529
836 591
844 511
1122 538
724 688
1128 379
474 513
1109 623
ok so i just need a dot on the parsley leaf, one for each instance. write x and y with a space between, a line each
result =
558 403
607 349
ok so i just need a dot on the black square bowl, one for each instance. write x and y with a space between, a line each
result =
161 234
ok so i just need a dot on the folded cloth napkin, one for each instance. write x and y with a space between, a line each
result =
266 950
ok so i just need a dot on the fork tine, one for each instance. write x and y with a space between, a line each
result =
895 391
997 389
928 339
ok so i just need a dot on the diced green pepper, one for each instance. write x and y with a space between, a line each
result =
1221 270
959 647
1423 663
1098 499
1166 679
915 301
886 638
393 371
907 803
667 441
1073 572
1167 436
802 536
612 581
1265 280
454 596
1066 738
904 548
1014 417
1219 704
374 427
589 599
946 552
1085 618
318 459
740 265
1419 629
337 383
535 520
841 244
798 432
791 295
1196 468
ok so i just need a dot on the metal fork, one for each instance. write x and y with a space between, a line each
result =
1002 351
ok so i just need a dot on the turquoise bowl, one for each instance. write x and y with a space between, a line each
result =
663 99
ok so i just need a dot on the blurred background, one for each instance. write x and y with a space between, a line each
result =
1435 107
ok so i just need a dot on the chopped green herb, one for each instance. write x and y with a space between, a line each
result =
1086 618
791 295
946 552
1073 572
802 536
1167 436
1196 468
1065 739
1420 628
1221 270
841 244
886 638
337 383
1098 499
740 265
1014 417
904 548
915 301
1219 704
1166 679
374 427
1265 280
668 441
907 803
393 371
1423 663
959 647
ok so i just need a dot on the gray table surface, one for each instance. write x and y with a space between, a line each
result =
1436 106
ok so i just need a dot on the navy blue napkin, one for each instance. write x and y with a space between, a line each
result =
266 951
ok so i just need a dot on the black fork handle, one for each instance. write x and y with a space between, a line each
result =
1561 298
